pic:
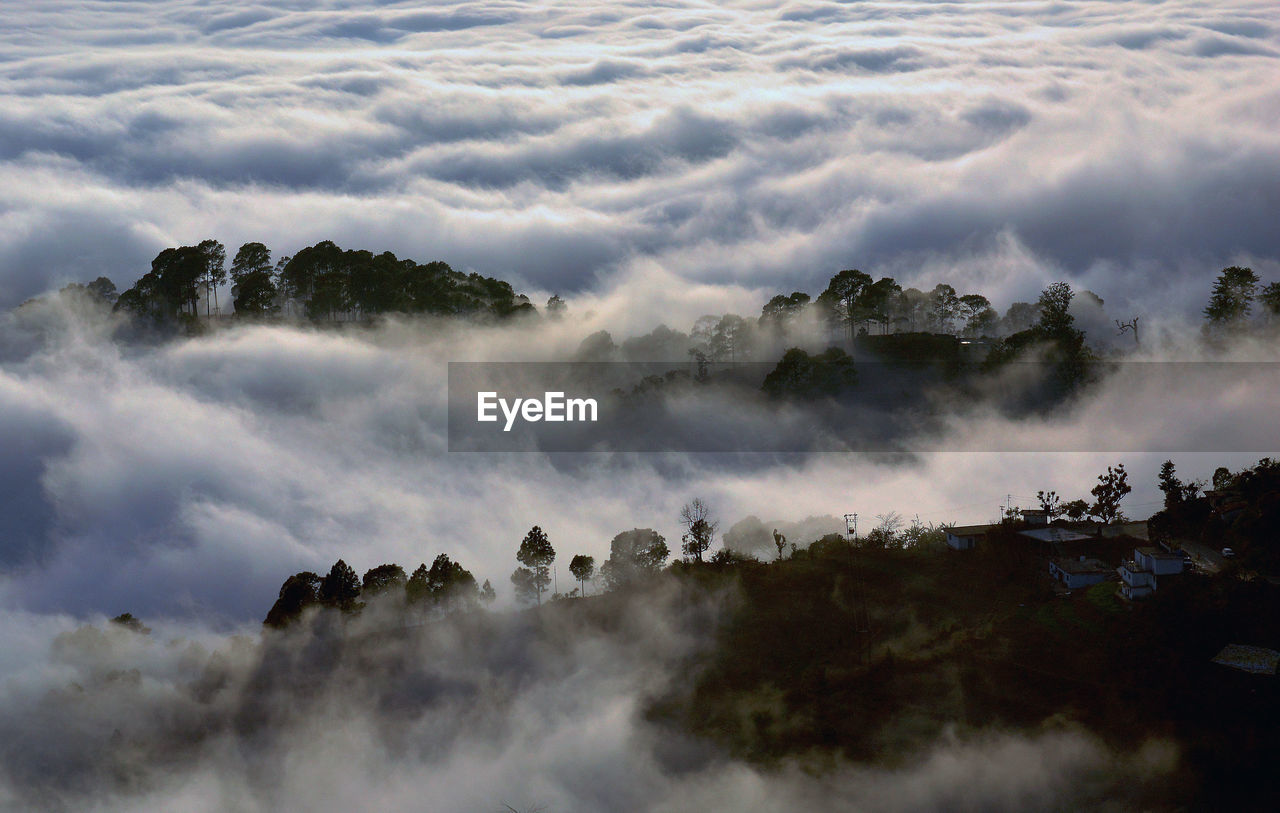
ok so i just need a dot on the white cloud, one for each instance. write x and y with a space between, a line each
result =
557 144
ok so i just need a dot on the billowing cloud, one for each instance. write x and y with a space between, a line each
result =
653 163
761 146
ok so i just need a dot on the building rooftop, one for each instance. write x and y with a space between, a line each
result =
1255 659
1085 566
1054 534
969 530
1156 553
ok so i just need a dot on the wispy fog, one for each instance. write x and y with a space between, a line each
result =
189 478
539 712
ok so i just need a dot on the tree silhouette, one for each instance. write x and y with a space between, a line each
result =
1107 494
450 584
1175 491
215 270
536 554
253 287
583 568
1050 503
1056 321
977 313
1232 297
700 528
382 579
299 591
778 313
104 289
129 622
729 338
800 375
633 555
840 300
1075 510
340 588
944 306
1270 298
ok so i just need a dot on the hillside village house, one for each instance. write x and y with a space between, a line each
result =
1078 572
1139 577
965 537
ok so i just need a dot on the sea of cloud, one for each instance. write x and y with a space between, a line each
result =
1128 147
653 162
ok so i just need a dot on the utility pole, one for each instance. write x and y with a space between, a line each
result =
851 526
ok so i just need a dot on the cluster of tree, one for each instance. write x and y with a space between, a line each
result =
853 302
633 556
801 375
1243 512
324 281
101 290
1112 487
1054 334
444 587
172 288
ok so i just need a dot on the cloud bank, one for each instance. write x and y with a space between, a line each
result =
1127 147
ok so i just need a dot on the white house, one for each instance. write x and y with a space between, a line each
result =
1136 582
1079 572
965 537
1157 561
1139 578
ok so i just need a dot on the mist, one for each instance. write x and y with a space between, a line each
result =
651 164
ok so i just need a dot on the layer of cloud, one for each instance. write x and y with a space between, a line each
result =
189 479
564 145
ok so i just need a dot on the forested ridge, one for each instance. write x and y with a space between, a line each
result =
870 648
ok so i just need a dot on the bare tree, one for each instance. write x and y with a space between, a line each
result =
700 528
1125 327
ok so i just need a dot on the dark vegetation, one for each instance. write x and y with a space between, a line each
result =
444 587
940 335
871 654
323 283
1241 511
870 650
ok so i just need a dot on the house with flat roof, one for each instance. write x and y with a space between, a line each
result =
1078 572
1139 577
1159 562
1054 533
965 537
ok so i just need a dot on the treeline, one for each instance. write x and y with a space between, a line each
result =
326 283
323 283
444 587
852 304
